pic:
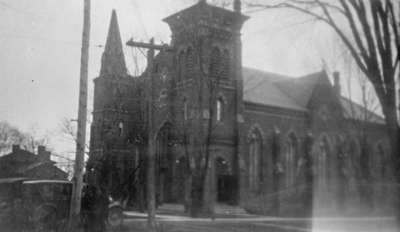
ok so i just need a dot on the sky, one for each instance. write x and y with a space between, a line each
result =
40 53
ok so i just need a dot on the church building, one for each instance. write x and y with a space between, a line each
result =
259 130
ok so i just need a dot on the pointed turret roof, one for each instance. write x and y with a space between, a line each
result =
113 60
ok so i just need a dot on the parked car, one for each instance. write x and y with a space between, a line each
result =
10 197
42 205
47 203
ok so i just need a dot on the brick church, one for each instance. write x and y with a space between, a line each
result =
256 124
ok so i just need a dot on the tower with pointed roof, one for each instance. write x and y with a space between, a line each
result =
113 61
115 104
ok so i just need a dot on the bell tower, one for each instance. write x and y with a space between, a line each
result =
207 44
208 82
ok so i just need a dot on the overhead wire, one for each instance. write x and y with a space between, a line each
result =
39 38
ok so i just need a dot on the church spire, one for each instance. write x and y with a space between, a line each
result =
113 60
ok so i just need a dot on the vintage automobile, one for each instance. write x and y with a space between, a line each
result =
42 205
10 195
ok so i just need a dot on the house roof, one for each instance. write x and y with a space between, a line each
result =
12 180
29 167
292 93
20 155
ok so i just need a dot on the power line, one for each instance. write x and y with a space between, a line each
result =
71 43
63 157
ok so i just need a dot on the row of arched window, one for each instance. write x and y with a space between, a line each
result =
290 160
219 64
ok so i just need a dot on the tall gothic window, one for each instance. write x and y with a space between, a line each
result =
185 109
189 63
290 160
215 63
220 110
255 150
379 162
321 158
121 129
181 66
354 156
226 63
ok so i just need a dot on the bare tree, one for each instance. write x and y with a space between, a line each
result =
10 135
370 32
361 115
198 131
67 128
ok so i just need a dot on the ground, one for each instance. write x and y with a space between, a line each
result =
233 219
273 225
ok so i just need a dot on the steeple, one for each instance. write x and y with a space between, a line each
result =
113 60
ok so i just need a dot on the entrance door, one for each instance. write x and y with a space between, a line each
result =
227 187
226 182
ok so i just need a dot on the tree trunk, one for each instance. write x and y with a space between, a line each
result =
187 195
197 194
393 131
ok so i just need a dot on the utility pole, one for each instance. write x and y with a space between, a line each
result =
82 114
151 199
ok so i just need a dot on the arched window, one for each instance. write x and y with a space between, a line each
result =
379 162
189 63
215 63
290 160
120 129
222 166
255 150
354 156
321 158
163 161
181 66
220 110
185 110
226 63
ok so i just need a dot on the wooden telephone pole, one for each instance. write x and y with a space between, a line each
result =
151 199
82 114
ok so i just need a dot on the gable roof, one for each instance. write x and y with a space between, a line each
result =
291 93
20 156
300 89
260 87
29 167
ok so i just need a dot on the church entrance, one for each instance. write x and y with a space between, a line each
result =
226 182
164 164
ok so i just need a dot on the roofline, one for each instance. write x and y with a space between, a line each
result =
301 111
47 181
166 19
12 179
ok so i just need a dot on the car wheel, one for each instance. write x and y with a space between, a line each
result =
115 217
44 218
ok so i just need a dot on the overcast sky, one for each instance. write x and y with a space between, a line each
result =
40 52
